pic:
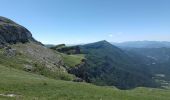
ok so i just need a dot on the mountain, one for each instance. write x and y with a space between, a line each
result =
158 59
153 53
21 51
143 44
157 54
106 64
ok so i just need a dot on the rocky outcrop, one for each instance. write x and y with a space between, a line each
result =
18 49
11 32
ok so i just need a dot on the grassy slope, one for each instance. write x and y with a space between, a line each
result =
73 60
39 66
35 87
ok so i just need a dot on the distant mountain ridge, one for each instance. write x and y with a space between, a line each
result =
155 54
143 44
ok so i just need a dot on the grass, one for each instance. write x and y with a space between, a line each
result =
20 60
17 62
73 60
28 86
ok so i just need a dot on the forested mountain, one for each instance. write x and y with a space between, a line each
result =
108 65
153 53
158 59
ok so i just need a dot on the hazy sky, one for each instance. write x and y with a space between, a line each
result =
83 21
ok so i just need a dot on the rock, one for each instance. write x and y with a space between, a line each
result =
78 80
28 68
17 43
9 52
11 32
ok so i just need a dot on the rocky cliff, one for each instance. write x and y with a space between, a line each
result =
18 49
11 32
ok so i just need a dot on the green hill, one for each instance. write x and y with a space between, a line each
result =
157 59
20 85
109 65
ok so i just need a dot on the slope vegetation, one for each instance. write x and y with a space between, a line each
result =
18 49
20 85
109 65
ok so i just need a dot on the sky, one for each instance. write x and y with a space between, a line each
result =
85 21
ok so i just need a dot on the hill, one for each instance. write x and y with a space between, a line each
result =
108 65
157 59
155 54
19 85
20 50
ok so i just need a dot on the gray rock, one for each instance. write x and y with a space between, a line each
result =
11 32
78 80
9 52
28 68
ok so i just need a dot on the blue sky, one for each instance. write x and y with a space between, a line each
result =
84 21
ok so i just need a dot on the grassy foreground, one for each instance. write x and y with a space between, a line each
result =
28 86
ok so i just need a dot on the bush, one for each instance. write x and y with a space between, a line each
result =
57 74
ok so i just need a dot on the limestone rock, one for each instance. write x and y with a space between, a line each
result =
11 32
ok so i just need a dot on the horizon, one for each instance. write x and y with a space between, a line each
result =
87 21
109 42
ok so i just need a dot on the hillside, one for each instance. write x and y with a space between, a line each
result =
108 65
20 85
155 54
157 59
21 51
